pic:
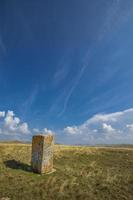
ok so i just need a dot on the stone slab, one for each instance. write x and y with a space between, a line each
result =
42 153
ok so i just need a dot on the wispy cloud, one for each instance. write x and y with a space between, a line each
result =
60 74
75 82
112 17
27 104
117 14
108 25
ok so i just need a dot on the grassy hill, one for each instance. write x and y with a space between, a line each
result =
86 173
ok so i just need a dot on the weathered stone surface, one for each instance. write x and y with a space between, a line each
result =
42 153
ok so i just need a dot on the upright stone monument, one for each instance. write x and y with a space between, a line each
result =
42 153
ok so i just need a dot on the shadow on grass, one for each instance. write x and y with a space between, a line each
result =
14 164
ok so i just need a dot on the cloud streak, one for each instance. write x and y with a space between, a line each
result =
72 89
111 16
27 104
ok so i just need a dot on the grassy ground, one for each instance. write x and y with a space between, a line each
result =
85 173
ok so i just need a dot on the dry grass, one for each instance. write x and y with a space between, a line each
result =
94 173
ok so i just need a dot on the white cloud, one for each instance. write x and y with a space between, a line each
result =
112 128
12 125
71 130
2 114
107 128
23 128
110 117
130 127
47 131
43 131
103 128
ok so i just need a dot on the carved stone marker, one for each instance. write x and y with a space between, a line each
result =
42 153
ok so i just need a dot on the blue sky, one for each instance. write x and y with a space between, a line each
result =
61 64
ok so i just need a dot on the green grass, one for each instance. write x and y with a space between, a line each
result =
85 173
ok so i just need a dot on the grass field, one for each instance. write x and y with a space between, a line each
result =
86 173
